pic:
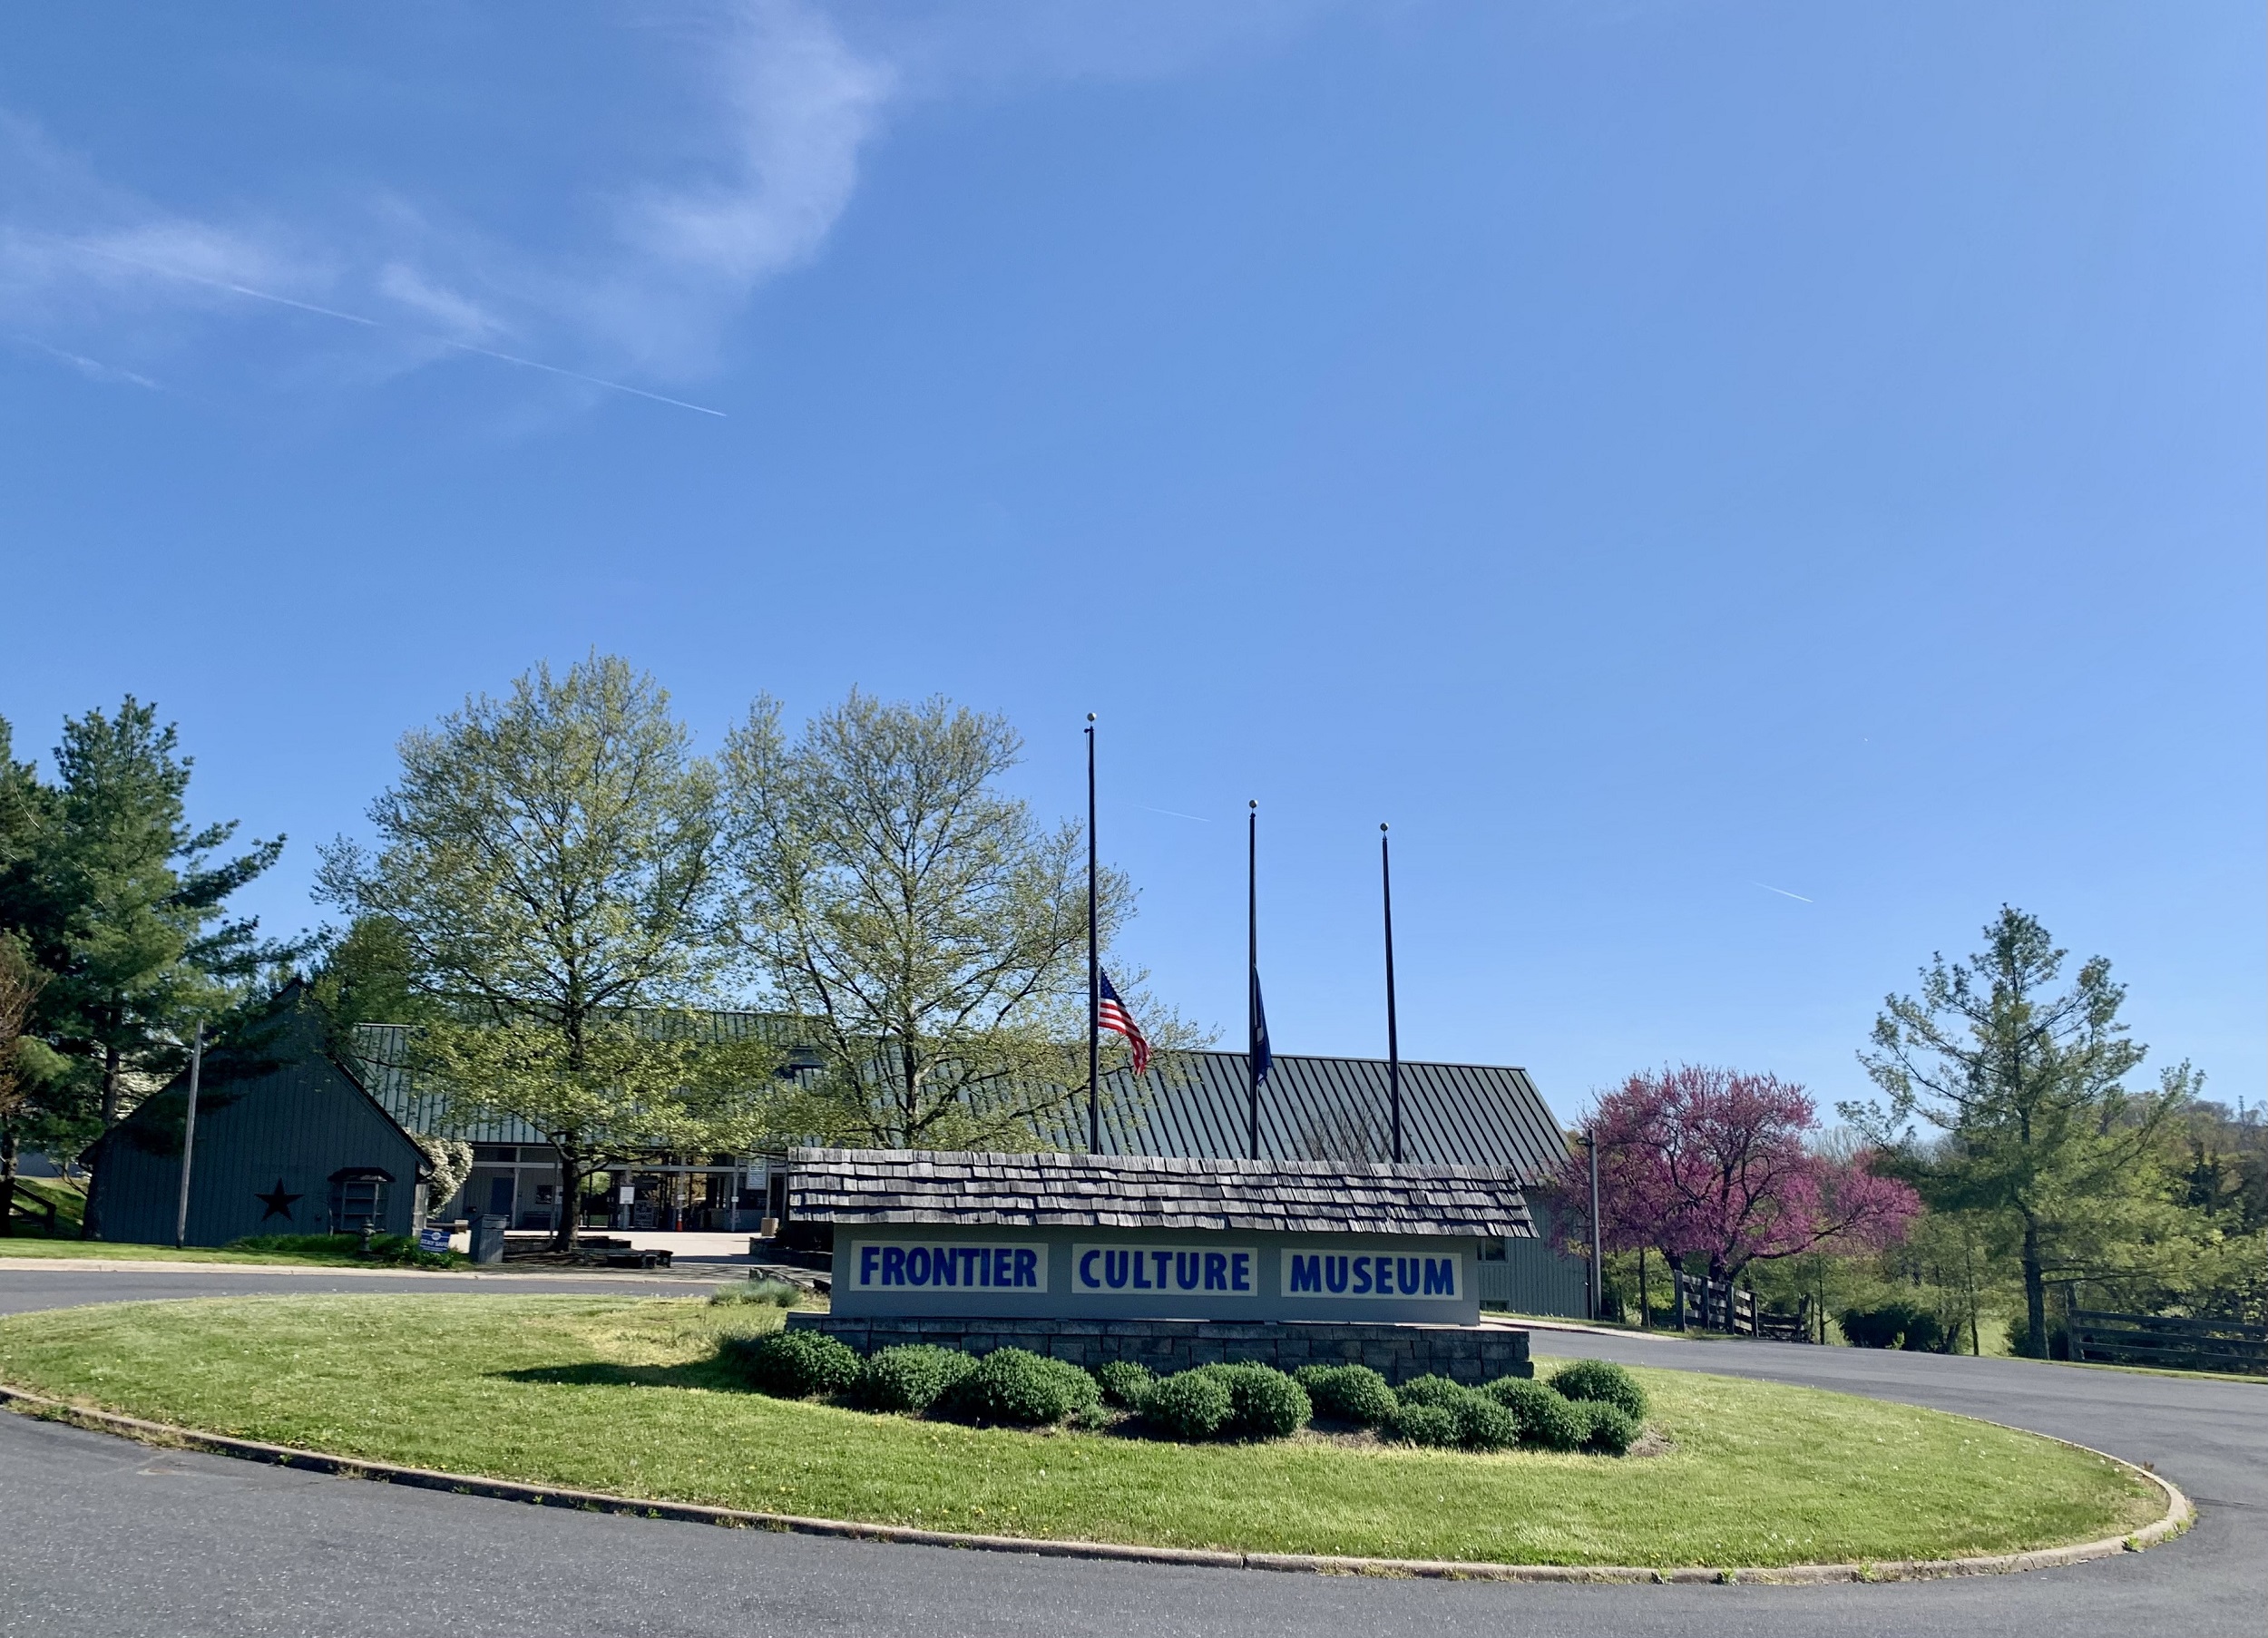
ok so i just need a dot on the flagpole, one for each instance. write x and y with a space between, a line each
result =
1094 966
1393 1041
1252 965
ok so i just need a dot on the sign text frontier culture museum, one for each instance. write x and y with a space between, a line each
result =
1167 1261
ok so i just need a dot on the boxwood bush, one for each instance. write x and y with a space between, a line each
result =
1425 1425
1608 1429
909 1378
1348 1393
1604 1383
1125 1382
1546 1419
794 1364
1431 1390
1484 1424
1021 1388
1266 1404
1189 1405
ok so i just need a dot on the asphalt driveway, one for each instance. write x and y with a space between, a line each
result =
106 1536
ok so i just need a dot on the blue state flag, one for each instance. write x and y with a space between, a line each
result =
1261 1056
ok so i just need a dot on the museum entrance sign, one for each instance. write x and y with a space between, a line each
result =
1080 1237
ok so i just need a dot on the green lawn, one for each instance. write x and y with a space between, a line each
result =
129 1251
624 1396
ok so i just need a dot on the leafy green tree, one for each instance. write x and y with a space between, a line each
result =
927 930
122 902
2028 1083
546 880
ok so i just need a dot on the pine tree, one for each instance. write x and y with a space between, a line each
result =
2029 1084
123 905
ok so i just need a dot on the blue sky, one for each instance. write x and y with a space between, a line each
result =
1745 490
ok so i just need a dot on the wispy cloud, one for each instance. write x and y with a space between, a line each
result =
780 102
94 369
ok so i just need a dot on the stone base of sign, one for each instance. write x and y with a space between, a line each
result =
1399 1352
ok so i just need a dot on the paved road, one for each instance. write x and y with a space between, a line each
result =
106 1536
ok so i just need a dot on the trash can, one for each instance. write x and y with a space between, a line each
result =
488 1238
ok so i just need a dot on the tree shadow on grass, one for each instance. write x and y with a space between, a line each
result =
599 1373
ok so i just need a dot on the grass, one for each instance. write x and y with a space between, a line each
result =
36 1194
626 1396
321 1251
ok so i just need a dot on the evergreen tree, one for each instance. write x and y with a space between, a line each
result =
122 903
2029 1084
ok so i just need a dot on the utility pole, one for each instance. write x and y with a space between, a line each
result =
189 1138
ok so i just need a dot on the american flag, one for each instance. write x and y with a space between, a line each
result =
1112 1014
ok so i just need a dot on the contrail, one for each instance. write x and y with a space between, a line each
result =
467 346
373 323
1170 813
1781 891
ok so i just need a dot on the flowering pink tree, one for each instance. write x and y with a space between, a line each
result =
1715 1161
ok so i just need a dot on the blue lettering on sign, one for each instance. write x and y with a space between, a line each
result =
1195 1270
1328 1274
884 1266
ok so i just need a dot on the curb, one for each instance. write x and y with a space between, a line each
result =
2177 1517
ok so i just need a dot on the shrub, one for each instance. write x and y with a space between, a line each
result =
1026 1390
1431 1390
1264 1403
1894 1325
1190 1405
1483 1424
1606 1428
1348 1393
794 1364
1604 1383
1546 1418
1427 1425
2020 1342
402 1249
909 1378
768 1293
1124 1382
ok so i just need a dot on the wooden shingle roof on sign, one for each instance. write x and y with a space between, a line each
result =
1127 1192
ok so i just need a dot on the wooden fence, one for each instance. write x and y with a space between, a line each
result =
2182 1344
1706 1304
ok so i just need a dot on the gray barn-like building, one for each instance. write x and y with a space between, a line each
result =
288 1143
292 1139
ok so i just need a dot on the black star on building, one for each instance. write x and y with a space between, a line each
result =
277 1201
